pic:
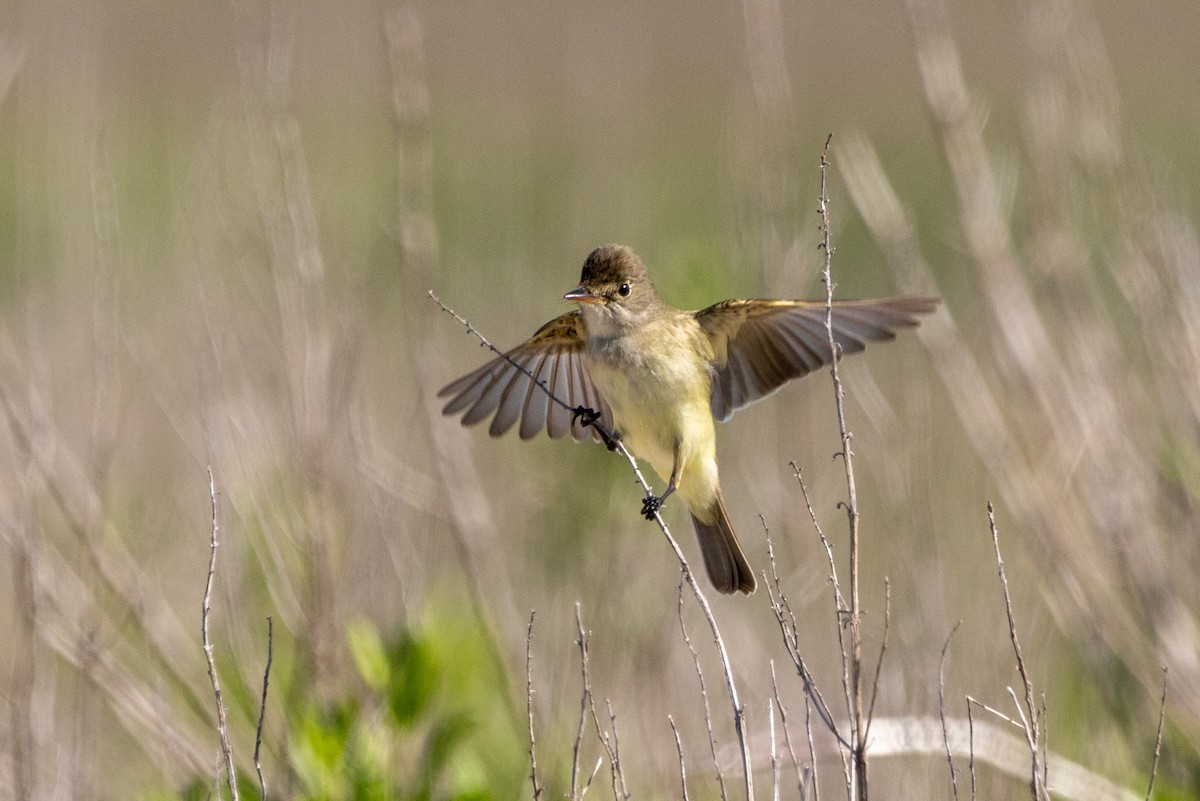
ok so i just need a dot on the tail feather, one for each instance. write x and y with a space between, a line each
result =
727 566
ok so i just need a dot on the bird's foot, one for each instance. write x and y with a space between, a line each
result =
584 416
650 506
652 503
590 417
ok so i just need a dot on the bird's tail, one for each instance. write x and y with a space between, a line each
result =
727 566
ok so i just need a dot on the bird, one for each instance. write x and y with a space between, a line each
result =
628 367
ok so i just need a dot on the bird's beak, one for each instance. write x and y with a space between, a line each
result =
581 295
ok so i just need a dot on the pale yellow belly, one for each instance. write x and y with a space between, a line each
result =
657 411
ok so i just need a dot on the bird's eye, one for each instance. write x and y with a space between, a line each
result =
623 290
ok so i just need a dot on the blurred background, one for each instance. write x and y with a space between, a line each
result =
218 226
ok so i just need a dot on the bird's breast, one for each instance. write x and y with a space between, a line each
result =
658 386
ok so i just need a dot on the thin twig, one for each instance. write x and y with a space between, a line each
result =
786 619
584 702
942 707
887 618
222 728
1032 733
609 744
679 751
712 740
1016 724
857 732
772 755
533 775
839 602
812 751
787 735
595 769
262 711
1045 734
971 747
1162 714
618 771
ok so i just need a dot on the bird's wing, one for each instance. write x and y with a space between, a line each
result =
554 357
759 345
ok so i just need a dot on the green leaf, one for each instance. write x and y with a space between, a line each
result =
414 679
369 656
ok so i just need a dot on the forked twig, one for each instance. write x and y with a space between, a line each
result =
812 751
618 772
609 744
942 708
887 619
1032 726
788 627
787 736
858 727
712 740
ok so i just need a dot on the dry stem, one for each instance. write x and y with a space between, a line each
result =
222 729
857 731
262 710
942 708
533 776
1037 781
1162 714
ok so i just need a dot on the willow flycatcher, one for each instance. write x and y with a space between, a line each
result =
658 377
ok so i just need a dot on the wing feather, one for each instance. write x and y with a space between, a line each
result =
505 391
760 345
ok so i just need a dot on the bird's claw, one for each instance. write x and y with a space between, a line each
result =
590 417
650 506
584 416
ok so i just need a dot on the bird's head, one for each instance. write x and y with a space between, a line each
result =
614 291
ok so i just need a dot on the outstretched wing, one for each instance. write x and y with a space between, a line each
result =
554 357
759 345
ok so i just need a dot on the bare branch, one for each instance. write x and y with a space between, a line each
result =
614 760
262 711
971 747
533 776
772 755
679 751
618 771
222 729
787 621
787 736
857 729
812 752
887 618
1037 784
1162 714
585 699
942 707
712 740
